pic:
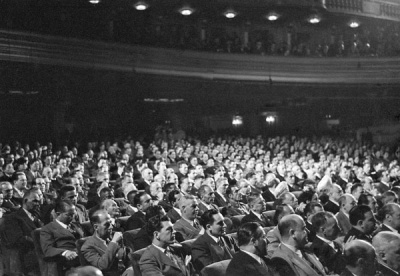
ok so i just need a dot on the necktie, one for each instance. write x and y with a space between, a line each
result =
173 258
196 224
310 263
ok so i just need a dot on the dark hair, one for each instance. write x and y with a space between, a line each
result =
355 186
387 209
310 207
155 224
131 192
319 219
16 175
95 217
285 225
306 196
247 232
363 199
65 189
207 217
202 190
62 206
153 211
105 190
357 213
172 196
136 199
278 211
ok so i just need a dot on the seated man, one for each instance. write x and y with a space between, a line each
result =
363 223
290 258
387 244
68 193
207 196
58 238
324 246
142 201
390 217
236 207
9 203
360 259
213 246
160 258
174 213
18 228
249 259
188 227
257 207
221 199
101 249
346 202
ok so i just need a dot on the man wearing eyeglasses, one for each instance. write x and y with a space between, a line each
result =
9 204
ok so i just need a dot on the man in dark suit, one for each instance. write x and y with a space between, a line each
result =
346 202
235 207
221 199
100 250
335 192
20 182
18 228
344 176
257 207
213 246
324 246
249 259
9 204
58 238
390 217
161 258
387 246
290 258
174 213
360 259
363 223
142 201
188 227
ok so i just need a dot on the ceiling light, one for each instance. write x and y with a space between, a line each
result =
354 24
230 14
272 16
186 11
141 6
314 19
94 2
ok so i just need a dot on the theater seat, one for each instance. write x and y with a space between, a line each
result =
187 246
128 238
79 244
46 268
216 269
135 258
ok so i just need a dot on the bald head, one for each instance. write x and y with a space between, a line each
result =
293 231
387 246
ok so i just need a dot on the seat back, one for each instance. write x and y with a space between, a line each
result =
121 221
87 228
128 238
79 244
46 268
135 258
216 269
187 246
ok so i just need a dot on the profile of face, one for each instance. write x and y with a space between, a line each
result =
350 203
208 197
368 224
112 208
300 234
218 227
166 235
70 197
260 244
104 227
145 202
259 205
191 209
331 229
67 215
222 186
21 182
7 191
392 255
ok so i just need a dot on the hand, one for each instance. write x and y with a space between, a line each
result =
70 255
117 237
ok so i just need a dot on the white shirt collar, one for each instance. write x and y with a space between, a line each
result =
214 238
331 244
391 228
296 251
258 215
63 225
190 222
257 258
159 248
221 195
178 211
29 214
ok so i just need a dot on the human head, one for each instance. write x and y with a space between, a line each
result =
362 218
147 174
111 207
251 236
65 212
281 211
387 246
68 193
7 190
156 190
106 193
102 224
19 179
356 190
360 258
189 207
325 224
222 184
206 194
186 185
161 230
390 215
142 201
31 201
311 209
213 222
256 203
388 197
368 200
290 199
346 202
293 231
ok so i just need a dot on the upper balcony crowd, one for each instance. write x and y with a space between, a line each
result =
282 205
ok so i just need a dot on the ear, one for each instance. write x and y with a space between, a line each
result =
291 232
360 262
382 255
360 223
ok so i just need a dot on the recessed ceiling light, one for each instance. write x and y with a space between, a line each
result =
94 2
141 6
314 19
230 14
354 24
272 16
186 11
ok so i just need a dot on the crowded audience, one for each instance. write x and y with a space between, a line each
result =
256 206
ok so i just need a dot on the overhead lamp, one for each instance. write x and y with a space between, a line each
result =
237 120
141 6
354 24
230 14
270 119
314 19
94 2
186 11
272 16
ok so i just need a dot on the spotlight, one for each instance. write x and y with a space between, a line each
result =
230 14
141 6
237 120
94 2
354 24
314 19
186 11
272 16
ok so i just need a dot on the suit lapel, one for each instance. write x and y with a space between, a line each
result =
298 262
164 258
62 229
24 216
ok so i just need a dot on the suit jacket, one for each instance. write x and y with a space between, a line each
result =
17 198
357 235
141 239
264 222
382 187
332 207
18 228
385 270
343 222
11 205
55 239
186 230
137 220
230 211
342 183
206 251
242 264
346 272
173 215
100 255
203 207
329 257
274 239
289 263
156 263
385 228
219 201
